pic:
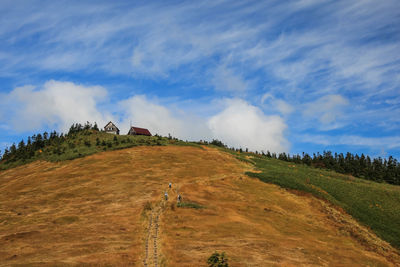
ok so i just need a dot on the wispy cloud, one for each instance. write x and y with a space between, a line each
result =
226 80
276 104
326 109
339 46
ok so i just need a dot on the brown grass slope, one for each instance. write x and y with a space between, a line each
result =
95 211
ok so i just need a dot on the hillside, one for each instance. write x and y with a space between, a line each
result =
108 209
104 209
373 204
79 142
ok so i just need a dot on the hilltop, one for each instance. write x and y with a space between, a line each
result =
80 141
105 208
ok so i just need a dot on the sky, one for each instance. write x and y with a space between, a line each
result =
283 76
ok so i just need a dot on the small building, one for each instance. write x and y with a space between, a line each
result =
111 128
139 131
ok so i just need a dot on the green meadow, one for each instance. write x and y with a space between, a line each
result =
375 205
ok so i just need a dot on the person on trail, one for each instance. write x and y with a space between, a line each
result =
179 198
170 185
166 196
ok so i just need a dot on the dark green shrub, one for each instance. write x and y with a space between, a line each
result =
216 142
218 260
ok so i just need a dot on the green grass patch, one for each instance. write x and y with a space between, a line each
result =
376 205
86 143
190 205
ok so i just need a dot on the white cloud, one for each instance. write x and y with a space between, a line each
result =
226 80
276 104
239 124
160 119
326 109
283 107
146 114
243 125
59 104
56 104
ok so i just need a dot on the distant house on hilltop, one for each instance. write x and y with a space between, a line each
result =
138 131
111 128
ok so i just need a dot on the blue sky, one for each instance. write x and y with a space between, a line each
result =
287 76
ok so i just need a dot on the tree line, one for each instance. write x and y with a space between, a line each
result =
25 150
361 166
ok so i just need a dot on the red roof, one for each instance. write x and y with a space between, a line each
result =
140 131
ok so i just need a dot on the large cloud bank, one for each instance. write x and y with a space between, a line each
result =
59 104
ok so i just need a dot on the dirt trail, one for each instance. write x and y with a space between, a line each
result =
148 236
155 238
91 211
152 241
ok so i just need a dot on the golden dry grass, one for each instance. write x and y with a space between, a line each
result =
89 211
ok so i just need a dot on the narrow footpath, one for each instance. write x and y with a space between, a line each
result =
152 242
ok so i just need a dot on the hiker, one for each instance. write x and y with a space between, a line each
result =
166 196
170 185
179 198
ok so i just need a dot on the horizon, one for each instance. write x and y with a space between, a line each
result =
283 76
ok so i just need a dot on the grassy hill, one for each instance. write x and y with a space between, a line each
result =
79 144
376 205
108 209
